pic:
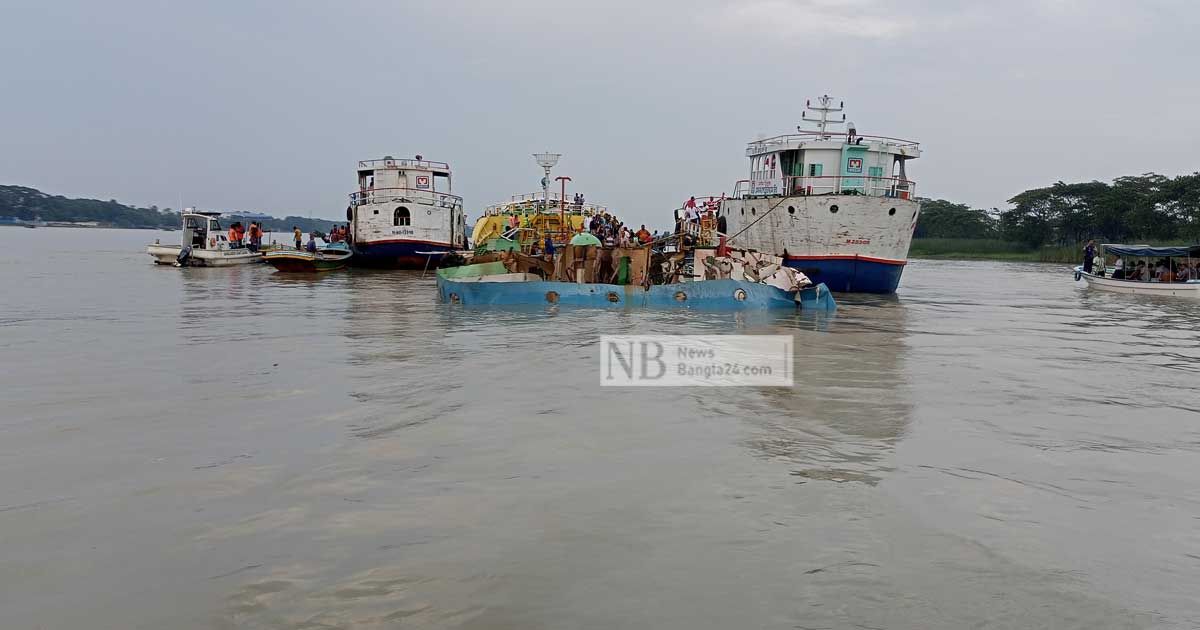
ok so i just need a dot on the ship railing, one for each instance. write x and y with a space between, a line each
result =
893 187
405 195
534 202
766 144
428 165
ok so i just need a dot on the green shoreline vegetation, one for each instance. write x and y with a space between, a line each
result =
991 249
1051 224
29 205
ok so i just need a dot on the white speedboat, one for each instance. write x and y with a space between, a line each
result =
1181 280
202 244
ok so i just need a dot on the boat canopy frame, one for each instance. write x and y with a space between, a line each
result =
1145 251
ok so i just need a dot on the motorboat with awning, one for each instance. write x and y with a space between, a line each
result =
1143 269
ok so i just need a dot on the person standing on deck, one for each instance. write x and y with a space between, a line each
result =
643 235
689 209
1089 253
255 237
299 236
236 235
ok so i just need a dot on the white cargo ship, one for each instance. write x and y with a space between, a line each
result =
837 205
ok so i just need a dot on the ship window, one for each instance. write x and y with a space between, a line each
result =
349 213
751 210
791 209
375 211
743 212
814 170
833 208
892 212
401 217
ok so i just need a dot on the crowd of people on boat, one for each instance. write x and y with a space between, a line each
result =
613 233
1161 270
240 237
339 233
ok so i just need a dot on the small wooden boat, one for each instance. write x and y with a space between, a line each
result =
1183 262
328 258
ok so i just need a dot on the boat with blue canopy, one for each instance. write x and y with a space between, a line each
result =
1172 271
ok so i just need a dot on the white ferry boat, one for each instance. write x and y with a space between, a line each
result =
839 206
403 213
202 244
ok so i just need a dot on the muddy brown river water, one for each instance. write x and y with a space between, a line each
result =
994 447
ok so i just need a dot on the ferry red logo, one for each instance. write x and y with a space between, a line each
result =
854 165
422 181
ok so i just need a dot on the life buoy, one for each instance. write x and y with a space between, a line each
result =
212 241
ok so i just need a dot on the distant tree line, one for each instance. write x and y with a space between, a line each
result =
1147 207
29 204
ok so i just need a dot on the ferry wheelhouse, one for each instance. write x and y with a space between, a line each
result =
839 206
404 212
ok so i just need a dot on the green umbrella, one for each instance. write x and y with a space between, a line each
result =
585 238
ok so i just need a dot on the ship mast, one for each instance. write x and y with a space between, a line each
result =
825 108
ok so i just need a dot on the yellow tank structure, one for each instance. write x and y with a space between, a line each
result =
533 221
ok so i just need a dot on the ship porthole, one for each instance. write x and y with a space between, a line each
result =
791 209
552 297
751 210
429 212
833 208
892 212
454 299
740 295
613 297
743 212
680 296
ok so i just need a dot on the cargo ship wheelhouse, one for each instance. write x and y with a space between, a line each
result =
403 212
837 205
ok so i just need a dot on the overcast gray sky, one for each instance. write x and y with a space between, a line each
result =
266 106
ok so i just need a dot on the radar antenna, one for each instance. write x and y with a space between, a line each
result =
824 108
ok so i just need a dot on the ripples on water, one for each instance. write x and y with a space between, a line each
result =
995 447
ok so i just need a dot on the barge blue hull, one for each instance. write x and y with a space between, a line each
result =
709 295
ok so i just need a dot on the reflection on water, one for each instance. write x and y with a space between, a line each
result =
852 402
238 448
